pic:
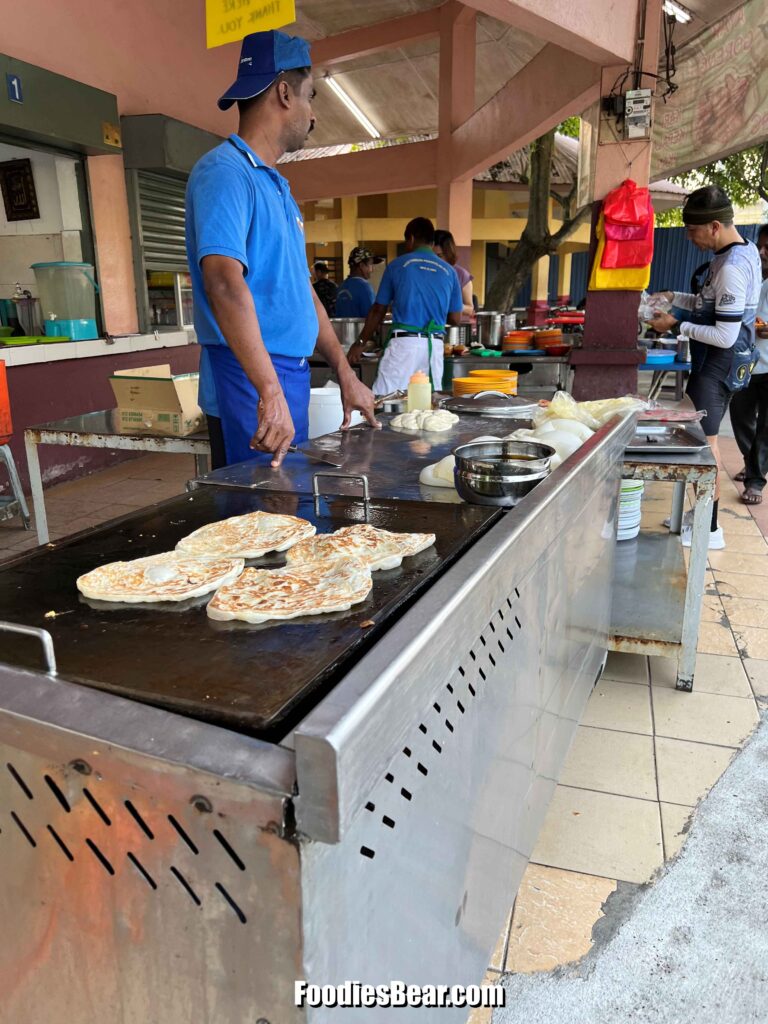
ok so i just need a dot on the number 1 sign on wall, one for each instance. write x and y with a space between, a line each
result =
13 83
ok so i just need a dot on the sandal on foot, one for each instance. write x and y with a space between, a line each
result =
752 497
740 476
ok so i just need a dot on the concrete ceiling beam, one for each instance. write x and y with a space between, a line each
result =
385 35
602 31
531 103
391 169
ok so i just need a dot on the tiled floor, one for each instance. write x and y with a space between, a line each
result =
645 753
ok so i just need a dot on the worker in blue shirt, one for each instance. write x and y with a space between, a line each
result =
255 311
355 295
424 294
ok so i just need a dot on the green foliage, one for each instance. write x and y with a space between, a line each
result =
670 218
570 127
739 174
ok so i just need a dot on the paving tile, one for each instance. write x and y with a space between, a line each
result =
757 672
626 668
497 957
713 673
621 706
735 561
703 717
687 771
712 609
745 544
601 834
611 762
716 638
752 642
554 914
674 819
745 612
738 526
740 584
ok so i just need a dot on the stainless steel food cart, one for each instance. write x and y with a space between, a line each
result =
171 855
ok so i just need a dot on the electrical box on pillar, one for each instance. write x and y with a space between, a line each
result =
637 113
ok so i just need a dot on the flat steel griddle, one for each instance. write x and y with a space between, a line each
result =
256 679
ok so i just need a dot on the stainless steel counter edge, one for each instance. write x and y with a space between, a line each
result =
135 727
345 743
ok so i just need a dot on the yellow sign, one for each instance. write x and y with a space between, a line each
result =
110 134
229 20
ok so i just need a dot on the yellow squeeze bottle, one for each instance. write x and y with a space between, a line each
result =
419 392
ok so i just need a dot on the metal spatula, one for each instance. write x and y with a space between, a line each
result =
317 455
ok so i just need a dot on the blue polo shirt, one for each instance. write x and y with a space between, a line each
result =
237 206
420 287
354 297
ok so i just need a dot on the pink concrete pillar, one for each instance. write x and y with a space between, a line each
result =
456 103
606 365
112 231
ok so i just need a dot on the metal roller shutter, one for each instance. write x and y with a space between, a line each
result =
161 221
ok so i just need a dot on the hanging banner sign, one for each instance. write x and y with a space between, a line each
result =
721 104
226 21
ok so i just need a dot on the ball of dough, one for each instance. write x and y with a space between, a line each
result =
580 430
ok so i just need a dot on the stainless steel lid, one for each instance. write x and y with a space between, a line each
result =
492 403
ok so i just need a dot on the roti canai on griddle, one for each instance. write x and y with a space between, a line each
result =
261 595
379 549
167 577
248 536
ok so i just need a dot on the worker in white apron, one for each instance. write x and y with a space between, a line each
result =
424 294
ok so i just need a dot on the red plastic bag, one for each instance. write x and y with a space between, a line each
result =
630 253
627 204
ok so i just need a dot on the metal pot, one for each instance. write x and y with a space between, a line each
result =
500 472
348 329
490 329
509 324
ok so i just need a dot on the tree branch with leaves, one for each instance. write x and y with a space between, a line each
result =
536 240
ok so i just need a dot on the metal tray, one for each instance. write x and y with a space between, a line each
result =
255 679
666 439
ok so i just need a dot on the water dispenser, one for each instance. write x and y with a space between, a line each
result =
67 299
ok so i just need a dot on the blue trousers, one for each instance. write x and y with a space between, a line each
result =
238 400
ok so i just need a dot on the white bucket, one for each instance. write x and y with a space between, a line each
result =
326 411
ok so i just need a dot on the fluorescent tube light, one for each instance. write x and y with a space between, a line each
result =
353 108
677 11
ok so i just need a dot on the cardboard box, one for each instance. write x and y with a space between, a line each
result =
152 400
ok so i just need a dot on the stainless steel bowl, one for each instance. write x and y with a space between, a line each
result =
500 472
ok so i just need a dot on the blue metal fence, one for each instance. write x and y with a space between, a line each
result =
674 261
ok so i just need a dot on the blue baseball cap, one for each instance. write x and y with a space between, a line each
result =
262 57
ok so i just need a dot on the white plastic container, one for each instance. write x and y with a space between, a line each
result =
419 392
326 411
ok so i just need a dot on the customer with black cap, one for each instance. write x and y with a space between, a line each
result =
324 287
256 316
718 319
355 296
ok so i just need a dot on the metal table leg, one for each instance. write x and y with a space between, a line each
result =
36 484
678 504
201 465
694 590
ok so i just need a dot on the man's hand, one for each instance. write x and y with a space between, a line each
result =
354 352
276 430
663 322
356 397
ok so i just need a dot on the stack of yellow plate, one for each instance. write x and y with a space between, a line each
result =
506 383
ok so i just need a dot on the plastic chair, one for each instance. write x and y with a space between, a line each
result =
18 503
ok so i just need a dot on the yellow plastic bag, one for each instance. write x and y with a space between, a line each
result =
629 279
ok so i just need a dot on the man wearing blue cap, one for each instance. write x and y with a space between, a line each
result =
256 315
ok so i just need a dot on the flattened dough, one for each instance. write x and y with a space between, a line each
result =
379 549
248 536
434 420
263 595
170 576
